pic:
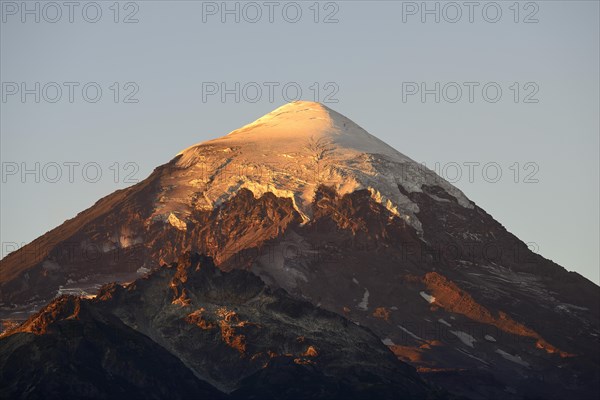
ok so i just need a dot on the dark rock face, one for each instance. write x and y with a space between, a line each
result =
467 303
74 350
193 331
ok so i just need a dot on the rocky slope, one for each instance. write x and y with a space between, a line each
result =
189 329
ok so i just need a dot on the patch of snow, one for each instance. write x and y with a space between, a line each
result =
443 321
464 337
364 303
430 299
143 271
436 198
516 359
355 280
394 308
473 357
388 342
409 333
471 236
489 338
569 308
75 291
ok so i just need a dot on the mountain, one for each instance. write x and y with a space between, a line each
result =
188 329
312 204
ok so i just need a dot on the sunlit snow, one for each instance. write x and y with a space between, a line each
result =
514 358
290 152
464 337
429 298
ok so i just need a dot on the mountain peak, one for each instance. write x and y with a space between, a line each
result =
307 108
291 126
302 111
290 152
296 118
300 120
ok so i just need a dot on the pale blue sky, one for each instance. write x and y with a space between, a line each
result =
367 54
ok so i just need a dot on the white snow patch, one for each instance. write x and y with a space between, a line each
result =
489 338
74 292
388 342
471 236
394 308
464 337
443 321
429 298
516 359
143 271
364 303
472 356
568 308
355 281
409 333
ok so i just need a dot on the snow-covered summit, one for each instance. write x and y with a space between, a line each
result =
294 123
290 152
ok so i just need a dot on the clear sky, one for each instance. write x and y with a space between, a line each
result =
370 60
